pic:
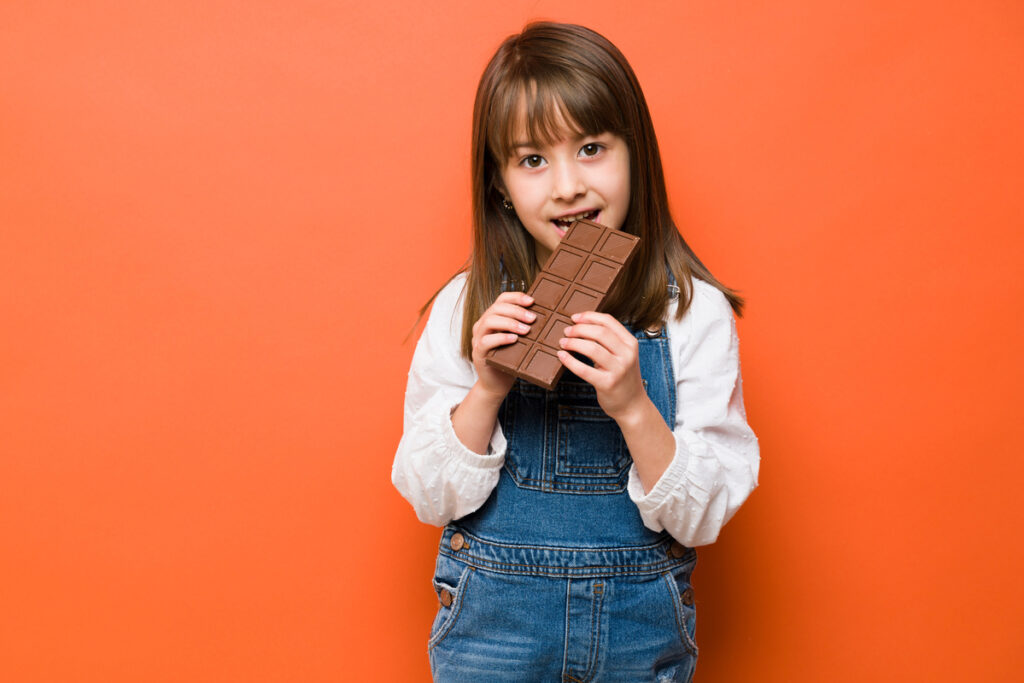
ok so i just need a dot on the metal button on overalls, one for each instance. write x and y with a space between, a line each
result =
676 550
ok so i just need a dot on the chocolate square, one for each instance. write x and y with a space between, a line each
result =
598 274
554 331
579 299
548 290
543 366
583 234
537 325
615 245
566 262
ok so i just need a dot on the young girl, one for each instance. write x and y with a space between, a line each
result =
571 515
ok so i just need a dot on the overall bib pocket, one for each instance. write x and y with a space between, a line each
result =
590 455
577 448
590 446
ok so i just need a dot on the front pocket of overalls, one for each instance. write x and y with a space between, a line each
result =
677 581
591 455
453 577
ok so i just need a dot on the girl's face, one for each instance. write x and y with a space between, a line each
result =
550 185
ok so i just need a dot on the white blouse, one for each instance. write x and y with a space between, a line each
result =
716 462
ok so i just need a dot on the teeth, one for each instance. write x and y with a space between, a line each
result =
576 217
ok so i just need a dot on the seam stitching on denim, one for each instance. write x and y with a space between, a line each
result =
446 627
565 643
597 601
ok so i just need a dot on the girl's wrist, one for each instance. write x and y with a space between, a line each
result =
636 414
473 420
485 396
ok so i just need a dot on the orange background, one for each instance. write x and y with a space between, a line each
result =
218 220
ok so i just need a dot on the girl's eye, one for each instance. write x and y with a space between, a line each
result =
532 161
590 149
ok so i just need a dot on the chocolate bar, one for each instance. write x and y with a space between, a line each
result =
577 276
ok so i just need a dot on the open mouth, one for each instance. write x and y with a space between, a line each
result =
563 223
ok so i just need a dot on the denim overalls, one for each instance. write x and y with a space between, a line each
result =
555 577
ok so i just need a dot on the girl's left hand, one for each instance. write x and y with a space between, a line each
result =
615 353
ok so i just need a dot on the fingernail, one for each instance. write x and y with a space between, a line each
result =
562 342
523 328
531 316
575 317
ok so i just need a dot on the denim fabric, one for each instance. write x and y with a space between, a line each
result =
556 578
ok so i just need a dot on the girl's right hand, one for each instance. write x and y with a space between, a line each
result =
503 323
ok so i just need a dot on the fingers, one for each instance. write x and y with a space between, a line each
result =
491 341
494 322
518 299
521 298
605 331
606 321
503 322
510 311
486 338
602 339
506 314
601 356
578 368
512 305
614 351
598 334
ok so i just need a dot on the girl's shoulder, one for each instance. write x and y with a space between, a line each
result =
706 334
707 304
446 309
450 296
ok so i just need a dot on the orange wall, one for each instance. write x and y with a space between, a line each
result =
217 222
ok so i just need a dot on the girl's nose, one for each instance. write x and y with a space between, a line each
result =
567 183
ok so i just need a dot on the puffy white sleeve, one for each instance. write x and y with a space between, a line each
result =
441 478
716 462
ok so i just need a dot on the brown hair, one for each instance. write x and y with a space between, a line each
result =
564 72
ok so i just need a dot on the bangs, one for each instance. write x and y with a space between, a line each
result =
542 110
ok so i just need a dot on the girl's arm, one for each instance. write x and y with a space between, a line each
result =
500 324
433 469
689 480
716 459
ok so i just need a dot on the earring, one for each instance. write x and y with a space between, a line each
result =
507 204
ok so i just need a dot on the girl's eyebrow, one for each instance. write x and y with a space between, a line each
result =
575 137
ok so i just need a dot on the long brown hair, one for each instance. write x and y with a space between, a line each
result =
568 73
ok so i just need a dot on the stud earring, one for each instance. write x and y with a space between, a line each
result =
507 204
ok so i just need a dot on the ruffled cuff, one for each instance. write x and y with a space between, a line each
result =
691 500
668 486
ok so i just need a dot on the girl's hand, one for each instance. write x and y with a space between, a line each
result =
504 322
616 357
